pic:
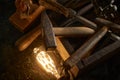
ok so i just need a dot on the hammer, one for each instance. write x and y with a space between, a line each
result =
28 38
49 35
44 4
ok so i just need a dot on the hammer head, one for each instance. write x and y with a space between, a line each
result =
49 35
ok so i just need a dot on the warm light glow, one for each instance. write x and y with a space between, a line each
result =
46 61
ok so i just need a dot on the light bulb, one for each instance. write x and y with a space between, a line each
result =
47 62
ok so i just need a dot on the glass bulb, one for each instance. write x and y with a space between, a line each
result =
47 62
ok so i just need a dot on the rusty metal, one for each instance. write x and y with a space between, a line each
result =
49 35
86 48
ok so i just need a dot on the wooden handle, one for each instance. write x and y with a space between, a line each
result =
108 23
65 55
101 55
27 39
55 6
73 31
86 22
86 47
36 13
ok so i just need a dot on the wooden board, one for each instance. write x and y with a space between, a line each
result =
23 25
20 24
65 55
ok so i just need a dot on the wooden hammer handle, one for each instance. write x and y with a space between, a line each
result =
28 38
73 31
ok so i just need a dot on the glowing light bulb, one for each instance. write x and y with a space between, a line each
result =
46 61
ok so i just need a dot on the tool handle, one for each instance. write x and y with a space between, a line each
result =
73 31
27 39
86 47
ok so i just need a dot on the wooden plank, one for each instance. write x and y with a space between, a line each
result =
65 55
20 24
24 24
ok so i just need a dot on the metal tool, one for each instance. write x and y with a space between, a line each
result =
49 35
